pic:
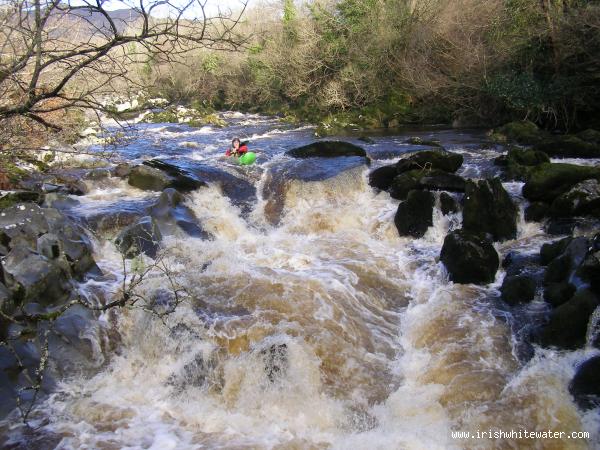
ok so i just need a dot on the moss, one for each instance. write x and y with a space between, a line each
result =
166 116
523 132
548 181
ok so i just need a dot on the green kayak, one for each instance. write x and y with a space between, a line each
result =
247 158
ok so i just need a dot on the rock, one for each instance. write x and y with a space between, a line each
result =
448 204
14 197
569 146
431 160
523 132
590 136
583 198
561 267
169 213
567 326
107 223
552 250
31 276
442 181
404 183
275 359
47 232
122 170
518 289
589 270
558 293
585 385
548 181
518 163
536 211
469 257
149 178
414 215
382 177
182 180
156 175
98 174
527 157
142 237
415 140
327 149
488 208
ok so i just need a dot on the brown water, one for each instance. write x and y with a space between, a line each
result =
325 330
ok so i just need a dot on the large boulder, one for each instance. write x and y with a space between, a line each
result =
517 289
431 160
558 293
523 132
47 232
469 257
518 163
414 215
442 181
568 324
583 198
327 149
382 177
488 208
149 178
569 146
142 237
404 183
548 181
157 175
562 266
585 385
30 276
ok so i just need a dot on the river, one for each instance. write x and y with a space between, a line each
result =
308 322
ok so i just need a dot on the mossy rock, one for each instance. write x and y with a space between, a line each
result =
518 163
431 159
523 132
569 146
547 181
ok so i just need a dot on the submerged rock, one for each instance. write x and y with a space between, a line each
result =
327 149
414 215
469 257
585 385
488 208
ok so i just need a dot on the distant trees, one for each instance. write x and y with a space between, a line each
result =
422 60
56 55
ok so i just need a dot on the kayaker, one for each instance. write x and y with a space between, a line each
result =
237 148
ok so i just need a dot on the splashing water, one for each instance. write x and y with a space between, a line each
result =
322 329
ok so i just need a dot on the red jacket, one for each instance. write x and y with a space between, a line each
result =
243 149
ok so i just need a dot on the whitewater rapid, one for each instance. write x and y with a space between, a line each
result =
321 329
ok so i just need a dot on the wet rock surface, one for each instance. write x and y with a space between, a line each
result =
414 215
488 208
327 149
469 257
